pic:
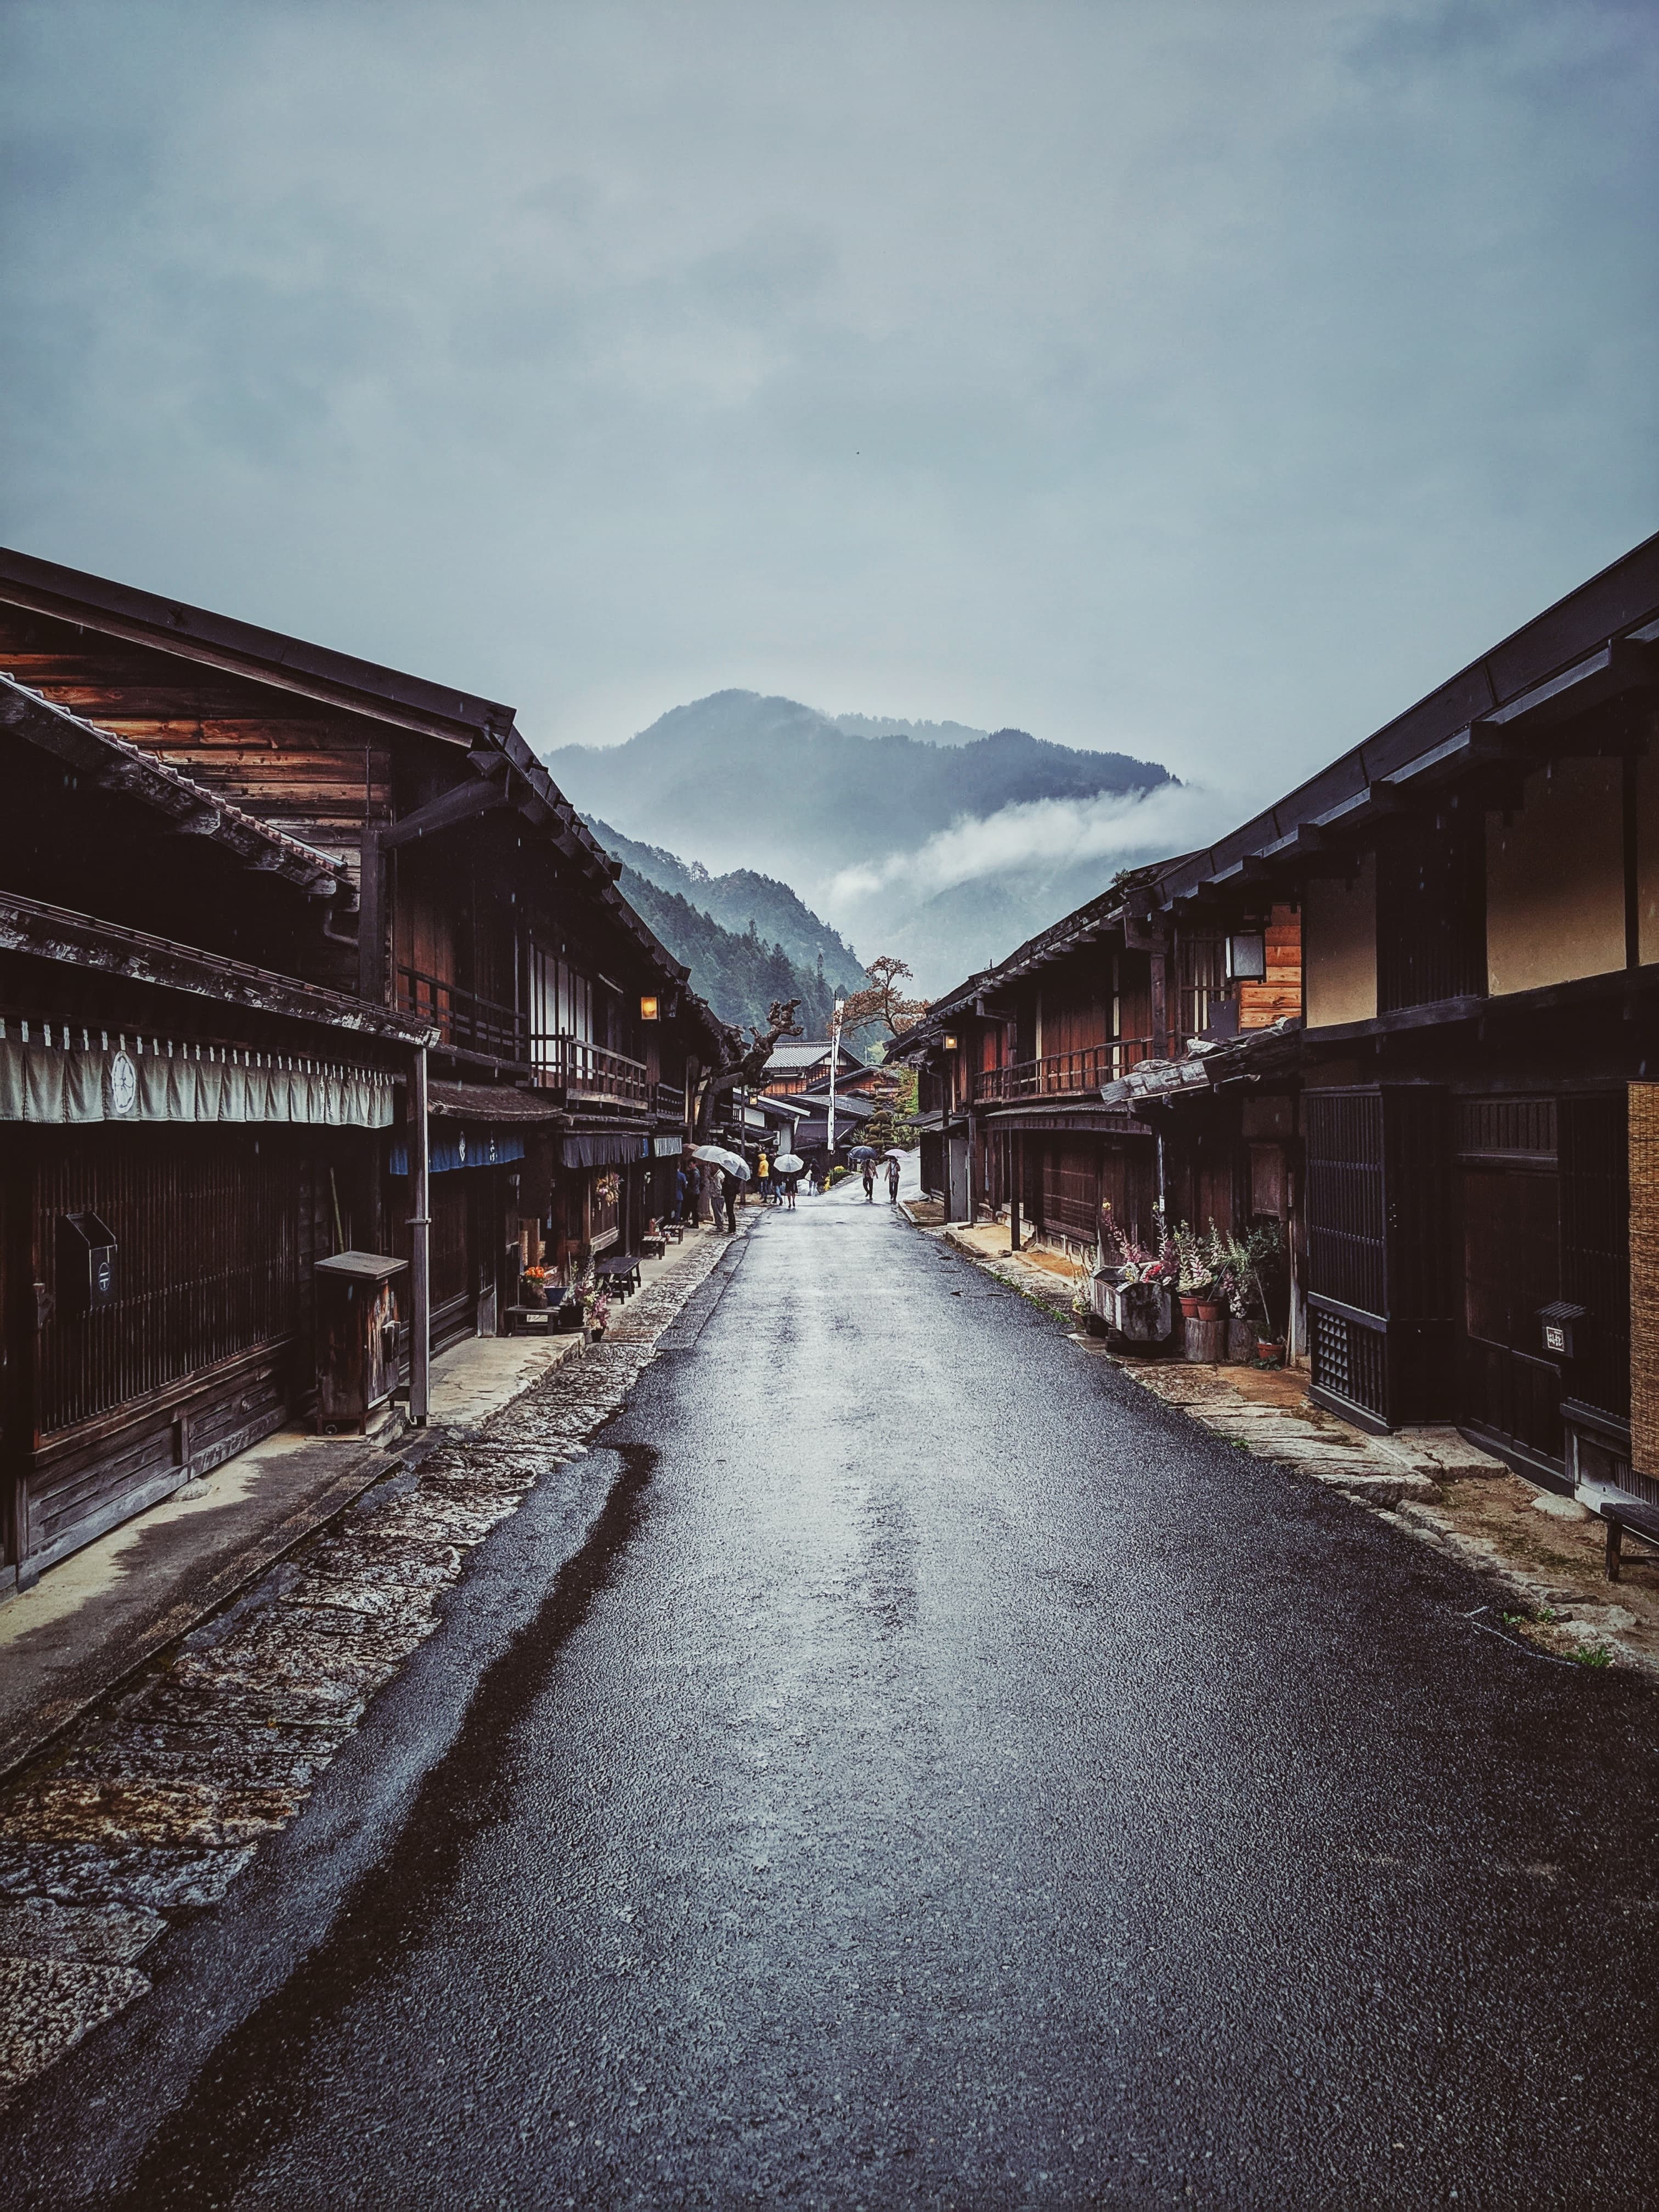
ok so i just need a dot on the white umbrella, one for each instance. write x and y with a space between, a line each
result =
732 1163
789 1163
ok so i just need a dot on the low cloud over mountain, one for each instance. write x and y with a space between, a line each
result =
931 839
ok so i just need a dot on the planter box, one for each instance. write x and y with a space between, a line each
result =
1127 1311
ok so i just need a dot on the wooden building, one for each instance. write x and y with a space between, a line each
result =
188 1126
1480 888
1412 1008
803 1064
1021 1069
473 900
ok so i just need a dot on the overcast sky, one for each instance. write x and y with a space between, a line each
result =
1206 380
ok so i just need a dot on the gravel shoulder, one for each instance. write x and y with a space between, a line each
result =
140 1816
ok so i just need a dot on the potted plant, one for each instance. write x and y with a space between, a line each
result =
1255 1265
533 1287
1193 1279
596 1309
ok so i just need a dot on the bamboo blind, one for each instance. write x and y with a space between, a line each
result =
1644 1277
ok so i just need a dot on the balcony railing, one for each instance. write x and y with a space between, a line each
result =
461 1017
589 1071
669 1099
1061 1074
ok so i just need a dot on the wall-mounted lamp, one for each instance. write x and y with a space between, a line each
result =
648 1009
949 1044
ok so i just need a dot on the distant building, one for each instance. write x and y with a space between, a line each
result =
803 1063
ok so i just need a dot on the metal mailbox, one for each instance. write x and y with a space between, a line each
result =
1561 1324
86 1262
356 1337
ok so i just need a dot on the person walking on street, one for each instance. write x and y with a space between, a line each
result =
869 1168
892 1182
764 1171
789 1182
729 1192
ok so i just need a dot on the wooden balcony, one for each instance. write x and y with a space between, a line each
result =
589 1071
1061 1074
464 1020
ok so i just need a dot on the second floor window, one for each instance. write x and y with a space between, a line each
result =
561 1005
1431 908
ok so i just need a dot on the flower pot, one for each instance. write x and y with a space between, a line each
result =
1188 1307
1208 1309
532 1294
1272 1354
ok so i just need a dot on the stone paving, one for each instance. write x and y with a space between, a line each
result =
158 1797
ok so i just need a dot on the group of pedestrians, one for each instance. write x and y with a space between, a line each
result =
775 1189
869 1169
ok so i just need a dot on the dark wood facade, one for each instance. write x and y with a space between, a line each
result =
385 860
1434 1056
215 1117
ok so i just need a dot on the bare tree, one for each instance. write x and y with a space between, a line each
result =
882 1000
745 1068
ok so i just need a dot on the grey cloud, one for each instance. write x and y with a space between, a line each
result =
1202 380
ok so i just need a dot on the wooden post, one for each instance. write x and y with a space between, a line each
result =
1017 1148
371 916
1158 998
420 1226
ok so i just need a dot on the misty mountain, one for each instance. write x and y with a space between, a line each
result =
738 972
743 903
736 778
947 936
927 733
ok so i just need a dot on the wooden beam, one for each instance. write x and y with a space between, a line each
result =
463 804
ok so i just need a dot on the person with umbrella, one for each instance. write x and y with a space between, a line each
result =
864 1158
787 1167
733 1171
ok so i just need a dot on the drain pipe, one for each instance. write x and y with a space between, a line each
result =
420 1225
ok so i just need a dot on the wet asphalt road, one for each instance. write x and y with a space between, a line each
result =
947 1778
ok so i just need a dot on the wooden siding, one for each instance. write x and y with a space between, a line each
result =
306 768
1279 993
208 1264
207 1346
1643 1105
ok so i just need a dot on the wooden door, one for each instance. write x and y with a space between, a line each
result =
1511 1221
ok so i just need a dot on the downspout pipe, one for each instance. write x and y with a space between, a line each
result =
420 1247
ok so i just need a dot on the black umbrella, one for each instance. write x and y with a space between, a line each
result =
862 1152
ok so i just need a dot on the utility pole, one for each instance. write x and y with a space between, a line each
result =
835 1060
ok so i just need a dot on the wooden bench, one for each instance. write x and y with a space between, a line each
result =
1641 1521
620 1273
